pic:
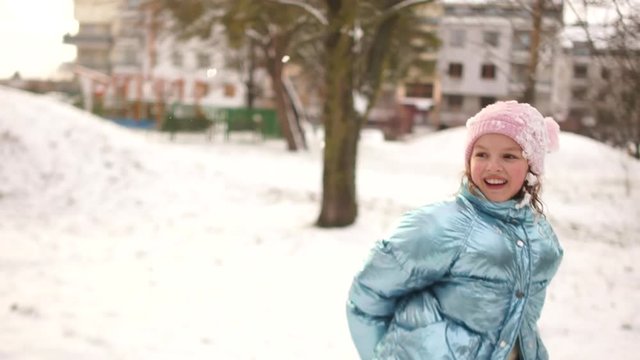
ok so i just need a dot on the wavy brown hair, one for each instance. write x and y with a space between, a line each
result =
533 190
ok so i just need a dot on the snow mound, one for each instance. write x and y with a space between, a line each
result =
578 157
60 159
51 150
581 175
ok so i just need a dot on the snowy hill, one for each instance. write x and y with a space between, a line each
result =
117 244
53 152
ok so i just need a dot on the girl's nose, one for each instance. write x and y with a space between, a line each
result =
494 164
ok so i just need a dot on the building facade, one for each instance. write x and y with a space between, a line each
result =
141 70
130 62
485 56
94 39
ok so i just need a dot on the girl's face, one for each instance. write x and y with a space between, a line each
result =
497 167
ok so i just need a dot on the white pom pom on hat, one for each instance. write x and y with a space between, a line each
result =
536 135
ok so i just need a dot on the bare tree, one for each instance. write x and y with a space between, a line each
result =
353 46
529 95
266 28
615 102
363 39
540 40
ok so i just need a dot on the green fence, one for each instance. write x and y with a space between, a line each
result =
192 118
262 121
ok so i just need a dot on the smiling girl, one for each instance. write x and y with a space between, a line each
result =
466 278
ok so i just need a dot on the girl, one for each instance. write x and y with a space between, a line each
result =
466 278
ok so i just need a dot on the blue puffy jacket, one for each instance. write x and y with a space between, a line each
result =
462 279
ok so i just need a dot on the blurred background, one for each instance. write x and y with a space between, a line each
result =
160 63
201 179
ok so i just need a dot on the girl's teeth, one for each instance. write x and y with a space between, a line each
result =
495 181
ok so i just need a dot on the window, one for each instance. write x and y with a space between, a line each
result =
454 102
579 93
457 38
581 48
455 70
203 61
419 90
488 71
603 94
576 114
176 59
521 40
229 90
486 100
519 73
491 38
580 71
200 89
130 56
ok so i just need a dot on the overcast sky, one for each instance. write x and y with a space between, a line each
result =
31 33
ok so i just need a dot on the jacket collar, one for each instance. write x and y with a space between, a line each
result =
506 211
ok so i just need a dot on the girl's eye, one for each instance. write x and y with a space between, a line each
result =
481 154
510 156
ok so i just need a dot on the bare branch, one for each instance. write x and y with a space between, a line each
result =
310 9
619 12
575 12
403 5
525 5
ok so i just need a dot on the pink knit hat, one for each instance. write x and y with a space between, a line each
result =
535 134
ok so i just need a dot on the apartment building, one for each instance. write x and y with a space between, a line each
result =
485 54
93 42
143 70
420 93
400 107
94 39
582 74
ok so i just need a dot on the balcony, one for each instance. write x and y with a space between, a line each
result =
102 41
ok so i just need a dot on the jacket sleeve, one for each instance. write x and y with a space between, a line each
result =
417 253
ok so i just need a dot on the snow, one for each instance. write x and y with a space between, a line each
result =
121 244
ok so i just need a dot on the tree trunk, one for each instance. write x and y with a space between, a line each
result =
296 112
251 67
281 109
529 95
341 124
275 67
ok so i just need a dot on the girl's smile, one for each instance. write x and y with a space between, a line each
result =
497 167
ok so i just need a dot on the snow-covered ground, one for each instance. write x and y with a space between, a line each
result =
117 244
